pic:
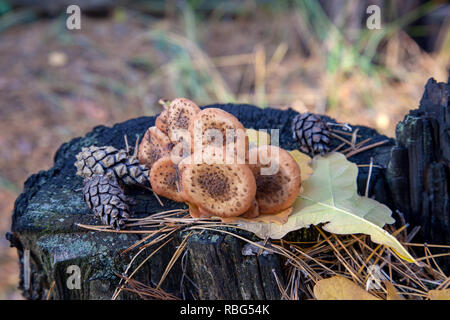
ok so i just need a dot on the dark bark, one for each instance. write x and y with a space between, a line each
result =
418 172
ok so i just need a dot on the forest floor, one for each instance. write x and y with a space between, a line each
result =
57 84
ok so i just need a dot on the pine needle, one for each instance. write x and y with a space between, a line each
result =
350 256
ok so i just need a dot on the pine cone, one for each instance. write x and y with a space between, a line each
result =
106 199
109 160
312 132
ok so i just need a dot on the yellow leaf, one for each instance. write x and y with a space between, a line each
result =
392 294
279 218
304 162
340 288
330 197
257 137
439 294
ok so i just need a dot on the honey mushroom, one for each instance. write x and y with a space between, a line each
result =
277 191
223 190
161 121
226 124
157 145
164 179
174 121
179 116
216 188
154 145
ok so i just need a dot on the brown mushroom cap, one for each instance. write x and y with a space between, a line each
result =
221 189
161 121
164 179
277 191
225 123
181 111
153 147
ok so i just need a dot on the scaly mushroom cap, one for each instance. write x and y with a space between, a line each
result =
164 179
276 191
181 111
225 123
161 121
221 189
153 147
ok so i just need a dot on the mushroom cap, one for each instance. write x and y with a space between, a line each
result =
278 190
154 145
231 131
161 121
223 190
181 111
164 179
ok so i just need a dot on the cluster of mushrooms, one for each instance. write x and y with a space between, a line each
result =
216 186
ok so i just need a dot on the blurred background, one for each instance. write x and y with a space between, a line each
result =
317 56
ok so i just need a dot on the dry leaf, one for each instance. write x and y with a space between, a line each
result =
304 162
340 288
392 294
279 218
330 197
439 294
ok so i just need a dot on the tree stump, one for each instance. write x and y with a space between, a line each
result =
48 241
418 172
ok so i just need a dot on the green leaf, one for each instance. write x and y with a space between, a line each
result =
330 197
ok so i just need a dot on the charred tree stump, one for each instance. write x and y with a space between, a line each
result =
48 240
418 172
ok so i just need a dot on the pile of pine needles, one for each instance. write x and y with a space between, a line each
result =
371 266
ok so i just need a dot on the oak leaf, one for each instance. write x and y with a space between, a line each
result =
439 294
304 162
340 288
392 293
330 198
278 218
